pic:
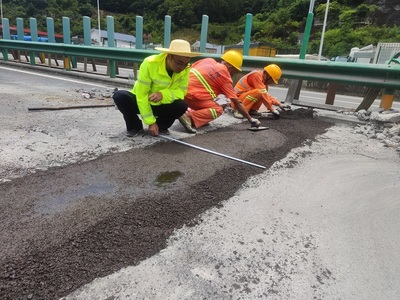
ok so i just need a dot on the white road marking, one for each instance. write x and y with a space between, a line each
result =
54 77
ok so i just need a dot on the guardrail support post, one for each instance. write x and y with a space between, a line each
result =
167 31
247 34
51 37
87 39
369 98
6 29
203 34
5 54
331 93
294 90
20 29
387 98
50 30
20 35
139 33
111 44
67 40
296 85
34 38
6 36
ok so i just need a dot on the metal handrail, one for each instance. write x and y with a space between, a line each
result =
370 75
119 54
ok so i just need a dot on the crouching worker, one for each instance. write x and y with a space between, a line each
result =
252 90
158 93
207 80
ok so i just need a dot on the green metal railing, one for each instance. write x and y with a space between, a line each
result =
119 54
374 76
370 75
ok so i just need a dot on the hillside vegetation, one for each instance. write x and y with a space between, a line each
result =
350 23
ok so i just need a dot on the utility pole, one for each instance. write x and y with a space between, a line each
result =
1 8
307 31
323 31
98 20
295 85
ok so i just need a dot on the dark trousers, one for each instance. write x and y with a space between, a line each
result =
165 114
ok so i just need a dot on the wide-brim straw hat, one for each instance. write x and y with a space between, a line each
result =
180 48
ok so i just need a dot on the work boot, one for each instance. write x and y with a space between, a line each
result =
187 124
164 131
133 132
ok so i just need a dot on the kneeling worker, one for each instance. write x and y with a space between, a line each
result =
208 79
158 93
252 90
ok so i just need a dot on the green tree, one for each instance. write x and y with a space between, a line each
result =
333 13
181 11
350 22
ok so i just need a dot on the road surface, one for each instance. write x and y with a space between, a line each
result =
87 213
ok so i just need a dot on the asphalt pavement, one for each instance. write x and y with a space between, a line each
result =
320 222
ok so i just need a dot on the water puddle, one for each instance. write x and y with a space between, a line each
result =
167 178
96 185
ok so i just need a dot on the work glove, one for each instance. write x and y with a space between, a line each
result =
255 123
275 114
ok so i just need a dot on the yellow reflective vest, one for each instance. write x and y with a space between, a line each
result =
153 77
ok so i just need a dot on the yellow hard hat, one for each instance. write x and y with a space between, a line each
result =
234 58
274 71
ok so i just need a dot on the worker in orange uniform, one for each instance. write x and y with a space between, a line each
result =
252 90
208 80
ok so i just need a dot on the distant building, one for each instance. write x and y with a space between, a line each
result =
363 55
297 56
379 54
120 39
210 48
385 51
255 49
41 34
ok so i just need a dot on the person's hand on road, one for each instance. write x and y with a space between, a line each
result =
153 129
285 107
255 123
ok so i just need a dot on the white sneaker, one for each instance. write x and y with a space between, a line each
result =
238 115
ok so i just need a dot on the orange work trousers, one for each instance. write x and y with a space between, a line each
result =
252 100
203 111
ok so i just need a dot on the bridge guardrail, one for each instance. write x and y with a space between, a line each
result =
373 76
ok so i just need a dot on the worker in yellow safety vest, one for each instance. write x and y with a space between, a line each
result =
210 89
252 90
158 93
